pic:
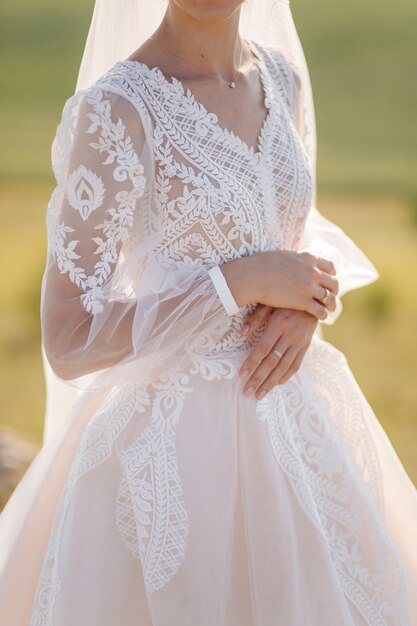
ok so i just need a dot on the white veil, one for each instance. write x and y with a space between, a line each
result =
118 28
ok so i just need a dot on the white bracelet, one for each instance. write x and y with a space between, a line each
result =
223 290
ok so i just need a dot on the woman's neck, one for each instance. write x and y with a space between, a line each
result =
212 46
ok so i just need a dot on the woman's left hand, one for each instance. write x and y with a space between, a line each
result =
289 332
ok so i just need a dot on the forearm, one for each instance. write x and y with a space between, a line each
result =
240 275
73 345
283 278
160 320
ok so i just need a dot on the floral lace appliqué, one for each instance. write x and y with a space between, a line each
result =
85 192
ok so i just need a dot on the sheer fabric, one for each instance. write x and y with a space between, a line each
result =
166 496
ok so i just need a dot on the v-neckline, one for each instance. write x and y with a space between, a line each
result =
211 118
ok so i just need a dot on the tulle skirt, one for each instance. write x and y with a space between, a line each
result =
185 503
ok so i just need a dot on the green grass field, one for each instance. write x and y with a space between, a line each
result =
363 60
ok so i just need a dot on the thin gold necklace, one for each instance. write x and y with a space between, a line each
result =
231 84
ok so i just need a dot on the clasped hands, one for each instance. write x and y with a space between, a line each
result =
289 333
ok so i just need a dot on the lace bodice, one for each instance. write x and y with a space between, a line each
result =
152 192
221 198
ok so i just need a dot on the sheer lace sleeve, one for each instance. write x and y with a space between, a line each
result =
111 304
321 236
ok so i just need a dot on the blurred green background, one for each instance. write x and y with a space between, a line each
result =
363 64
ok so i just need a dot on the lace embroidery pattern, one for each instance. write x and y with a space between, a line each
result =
95 447
216 188
218 162
150 511
335 484
298 188
85 193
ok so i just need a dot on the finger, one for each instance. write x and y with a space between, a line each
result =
265 367
325 265
315 308
330 302
276 374
294 367
255 319
259 352
273 331
328 281
319 292
327 299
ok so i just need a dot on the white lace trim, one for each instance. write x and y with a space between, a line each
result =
150 511
338 484
95 447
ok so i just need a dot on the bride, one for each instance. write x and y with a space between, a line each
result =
209 460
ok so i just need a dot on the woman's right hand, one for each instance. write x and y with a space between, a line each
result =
285 279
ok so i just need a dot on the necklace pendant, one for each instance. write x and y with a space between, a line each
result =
232 85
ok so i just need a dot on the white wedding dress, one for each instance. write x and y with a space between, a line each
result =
165 497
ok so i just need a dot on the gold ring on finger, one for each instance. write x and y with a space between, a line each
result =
326 295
